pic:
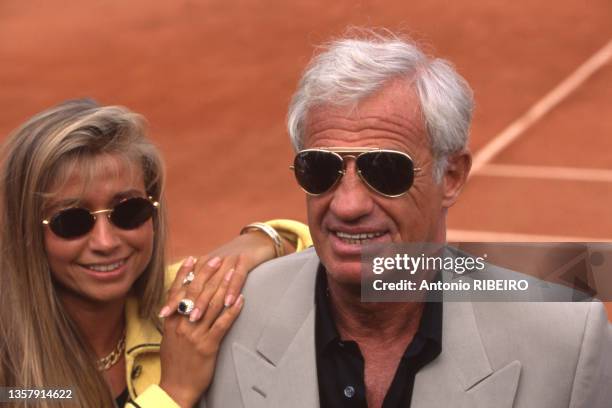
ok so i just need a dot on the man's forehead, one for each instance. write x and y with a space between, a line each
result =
322 120
392 115
394 131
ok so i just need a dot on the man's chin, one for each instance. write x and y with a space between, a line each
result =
345 273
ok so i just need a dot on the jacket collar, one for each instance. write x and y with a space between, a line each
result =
462 375
142 344
281 371
294 310
140 332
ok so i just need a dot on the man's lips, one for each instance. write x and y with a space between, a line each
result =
348 243
359 238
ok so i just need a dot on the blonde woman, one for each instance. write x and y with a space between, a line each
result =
83 271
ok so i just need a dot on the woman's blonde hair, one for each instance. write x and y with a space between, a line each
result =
40 346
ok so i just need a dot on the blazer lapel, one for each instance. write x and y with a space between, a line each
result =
462 375
497 390
282 372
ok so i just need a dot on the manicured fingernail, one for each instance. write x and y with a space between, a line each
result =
240 301
165 312
195 315
189 262
213 263
229 299
228 275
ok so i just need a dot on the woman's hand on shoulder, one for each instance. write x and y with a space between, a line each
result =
237 258
244 253
190 343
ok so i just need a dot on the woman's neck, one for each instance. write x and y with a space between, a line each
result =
101 324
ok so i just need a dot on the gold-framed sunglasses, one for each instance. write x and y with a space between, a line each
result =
388 172
128 214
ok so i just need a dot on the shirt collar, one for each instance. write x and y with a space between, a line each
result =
326 331
430 326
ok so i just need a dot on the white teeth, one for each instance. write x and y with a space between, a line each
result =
358 239
368 235
105 267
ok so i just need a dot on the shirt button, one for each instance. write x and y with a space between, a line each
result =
136 371
349 391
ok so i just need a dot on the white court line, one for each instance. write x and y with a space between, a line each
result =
454 235
547 172
541 108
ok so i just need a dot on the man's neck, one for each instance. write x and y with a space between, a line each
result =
369 321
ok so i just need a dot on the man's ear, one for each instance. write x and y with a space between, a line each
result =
455 176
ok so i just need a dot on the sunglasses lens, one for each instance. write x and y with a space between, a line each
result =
72 223
132 213
389 173
317 171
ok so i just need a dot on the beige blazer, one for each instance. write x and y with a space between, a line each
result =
521 355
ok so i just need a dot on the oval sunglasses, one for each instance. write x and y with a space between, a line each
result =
128 214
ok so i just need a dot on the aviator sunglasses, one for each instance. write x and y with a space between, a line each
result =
388 172
128 214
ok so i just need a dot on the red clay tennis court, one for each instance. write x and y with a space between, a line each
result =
214 79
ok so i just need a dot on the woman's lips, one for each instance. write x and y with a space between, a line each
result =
107 270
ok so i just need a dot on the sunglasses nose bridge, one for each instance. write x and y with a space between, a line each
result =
106 211
346 164
347 156
103 235
350 172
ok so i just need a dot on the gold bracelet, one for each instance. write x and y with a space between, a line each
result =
279 250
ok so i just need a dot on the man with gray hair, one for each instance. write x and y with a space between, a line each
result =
381 130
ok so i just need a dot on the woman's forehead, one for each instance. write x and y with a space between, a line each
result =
103 176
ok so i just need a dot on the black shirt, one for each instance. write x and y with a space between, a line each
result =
340 365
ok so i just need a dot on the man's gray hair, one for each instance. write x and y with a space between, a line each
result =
350 69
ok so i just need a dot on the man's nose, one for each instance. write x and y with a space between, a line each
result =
103 237
352 199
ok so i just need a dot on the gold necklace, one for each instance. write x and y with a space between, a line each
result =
113 357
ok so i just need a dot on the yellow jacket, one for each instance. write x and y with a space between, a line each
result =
143 338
